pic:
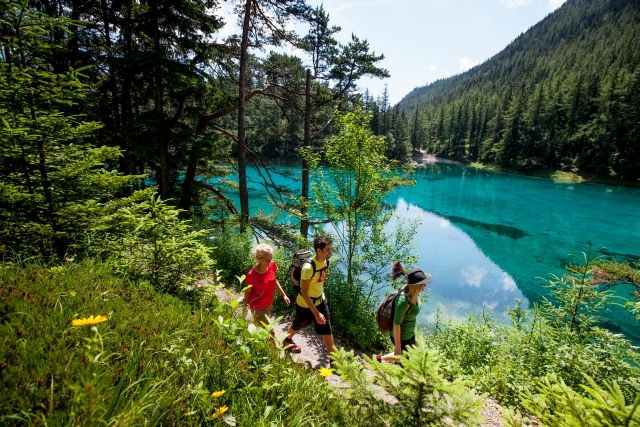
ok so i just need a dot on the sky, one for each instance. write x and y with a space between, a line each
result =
426 40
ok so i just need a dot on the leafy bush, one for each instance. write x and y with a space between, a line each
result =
352 317
145 239
558 337
232 251
554 403
423 395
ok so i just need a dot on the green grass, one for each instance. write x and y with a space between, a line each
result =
560 177
155 360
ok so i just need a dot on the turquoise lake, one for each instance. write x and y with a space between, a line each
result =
489 238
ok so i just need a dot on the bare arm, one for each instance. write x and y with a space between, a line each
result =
247 294
397 347
281 292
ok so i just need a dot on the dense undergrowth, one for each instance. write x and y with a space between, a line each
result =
156 359
161 360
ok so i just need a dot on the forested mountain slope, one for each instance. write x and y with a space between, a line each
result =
564 94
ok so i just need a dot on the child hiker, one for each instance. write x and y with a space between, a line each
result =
262 284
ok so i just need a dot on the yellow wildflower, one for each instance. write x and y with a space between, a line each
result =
217 394
91 320
219 412
325 372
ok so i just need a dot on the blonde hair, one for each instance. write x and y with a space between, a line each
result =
262 250
413 291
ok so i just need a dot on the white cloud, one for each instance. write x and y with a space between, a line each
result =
554 4
465 63
431 67
473 275
508 284
513 4
230 21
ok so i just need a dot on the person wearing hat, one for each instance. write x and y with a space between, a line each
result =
407 308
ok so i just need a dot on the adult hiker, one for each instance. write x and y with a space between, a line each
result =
311 304
263 283
407 307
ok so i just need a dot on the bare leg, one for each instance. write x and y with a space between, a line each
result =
328 342
291 332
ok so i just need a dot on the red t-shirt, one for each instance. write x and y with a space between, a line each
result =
264 287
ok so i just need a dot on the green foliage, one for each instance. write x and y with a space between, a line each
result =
147 240
232 251
53 181
352 318
352 194
155 360
423 395
554 403
560 339
612 273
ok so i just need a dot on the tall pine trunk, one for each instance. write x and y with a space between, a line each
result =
161 133
304 221
242 148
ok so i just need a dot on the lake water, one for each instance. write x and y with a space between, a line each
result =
488 238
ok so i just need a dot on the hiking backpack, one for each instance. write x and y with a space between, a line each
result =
386 310
300 257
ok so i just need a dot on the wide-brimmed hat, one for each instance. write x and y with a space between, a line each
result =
418 277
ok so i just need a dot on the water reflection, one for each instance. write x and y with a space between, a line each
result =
465 280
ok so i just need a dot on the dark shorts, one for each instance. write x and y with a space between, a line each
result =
304 316
404 343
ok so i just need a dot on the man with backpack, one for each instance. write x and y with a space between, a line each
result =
311 304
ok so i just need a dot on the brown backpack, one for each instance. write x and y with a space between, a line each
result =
386 311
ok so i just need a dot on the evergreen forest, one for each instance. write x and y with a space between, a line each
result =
564 95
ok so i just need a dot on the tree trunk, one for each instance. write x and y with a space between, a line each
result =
242 148
304 221
189 177
159 110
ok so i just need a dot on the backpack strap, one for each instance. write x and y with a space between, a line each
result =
315 270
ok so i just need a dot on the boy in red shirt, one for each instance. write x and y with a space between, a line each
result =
263 283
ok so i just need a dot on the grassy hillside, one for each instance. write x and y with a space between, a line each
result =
154 360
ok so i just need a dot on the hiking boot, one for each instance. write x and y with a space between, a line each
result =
290 346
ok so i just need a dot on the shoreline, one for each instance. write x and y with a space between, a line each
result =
422 159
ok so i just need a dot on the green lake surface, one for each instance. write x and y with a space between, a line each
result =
490 238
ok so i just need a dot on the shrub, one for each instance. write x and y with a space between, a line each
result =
146 240
352 317
554 403
232 251
424 396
